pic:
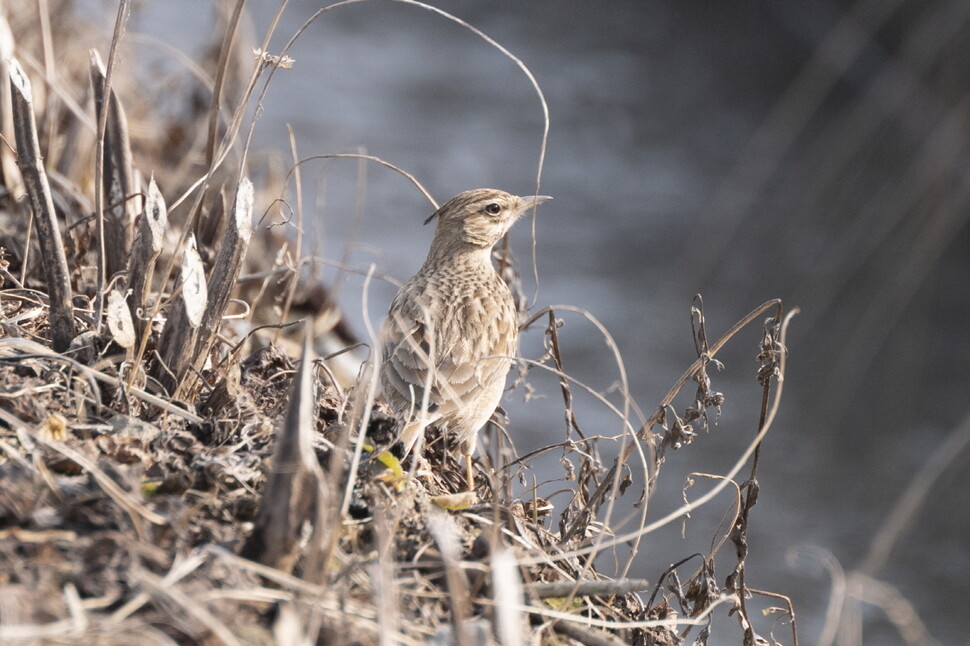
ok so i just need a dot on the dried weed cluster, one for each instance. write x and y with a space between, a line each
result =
177 467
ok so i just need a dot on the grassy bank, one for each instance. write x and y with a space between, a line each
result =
193 449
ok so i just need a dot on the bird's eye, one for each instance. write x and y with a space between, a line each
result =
492 208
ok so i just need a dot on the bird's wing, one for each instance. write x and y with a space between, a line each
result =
406 354
467 350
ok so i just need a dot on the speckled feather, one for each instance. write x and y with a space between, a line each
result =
457 315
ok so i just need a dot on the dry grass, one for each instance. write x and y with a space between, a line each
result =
251 495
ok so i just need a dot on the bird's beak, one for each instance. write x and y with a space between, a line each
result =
531 201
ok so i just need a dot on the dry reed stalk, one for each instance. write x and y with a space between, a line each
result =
118 178
41 202
211 221
228 264
445 533
294 278
225 51
604 588
385 595
177 343
292 488
510 622
145 250
9 173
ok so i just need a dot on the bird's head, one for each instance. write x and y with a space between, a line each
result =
480 217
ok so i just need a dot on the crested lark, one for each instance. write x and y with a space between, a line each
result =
452 329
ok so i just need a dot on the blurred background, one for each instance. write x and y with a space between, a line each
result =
814 152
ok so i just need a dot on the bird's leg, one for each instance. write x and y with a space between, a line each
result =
469 476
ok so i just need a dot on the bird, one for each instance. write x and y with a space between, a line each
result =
451 332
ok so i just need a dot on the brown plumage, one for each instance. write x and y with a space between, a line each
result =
452 329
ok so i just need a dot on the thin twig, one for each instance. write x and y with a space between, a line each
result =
689 374
294 278
225 52
587 588
909 504
771 353
121 20
714 491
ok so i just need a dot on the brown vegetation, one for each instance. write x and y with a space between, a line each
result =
172 471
